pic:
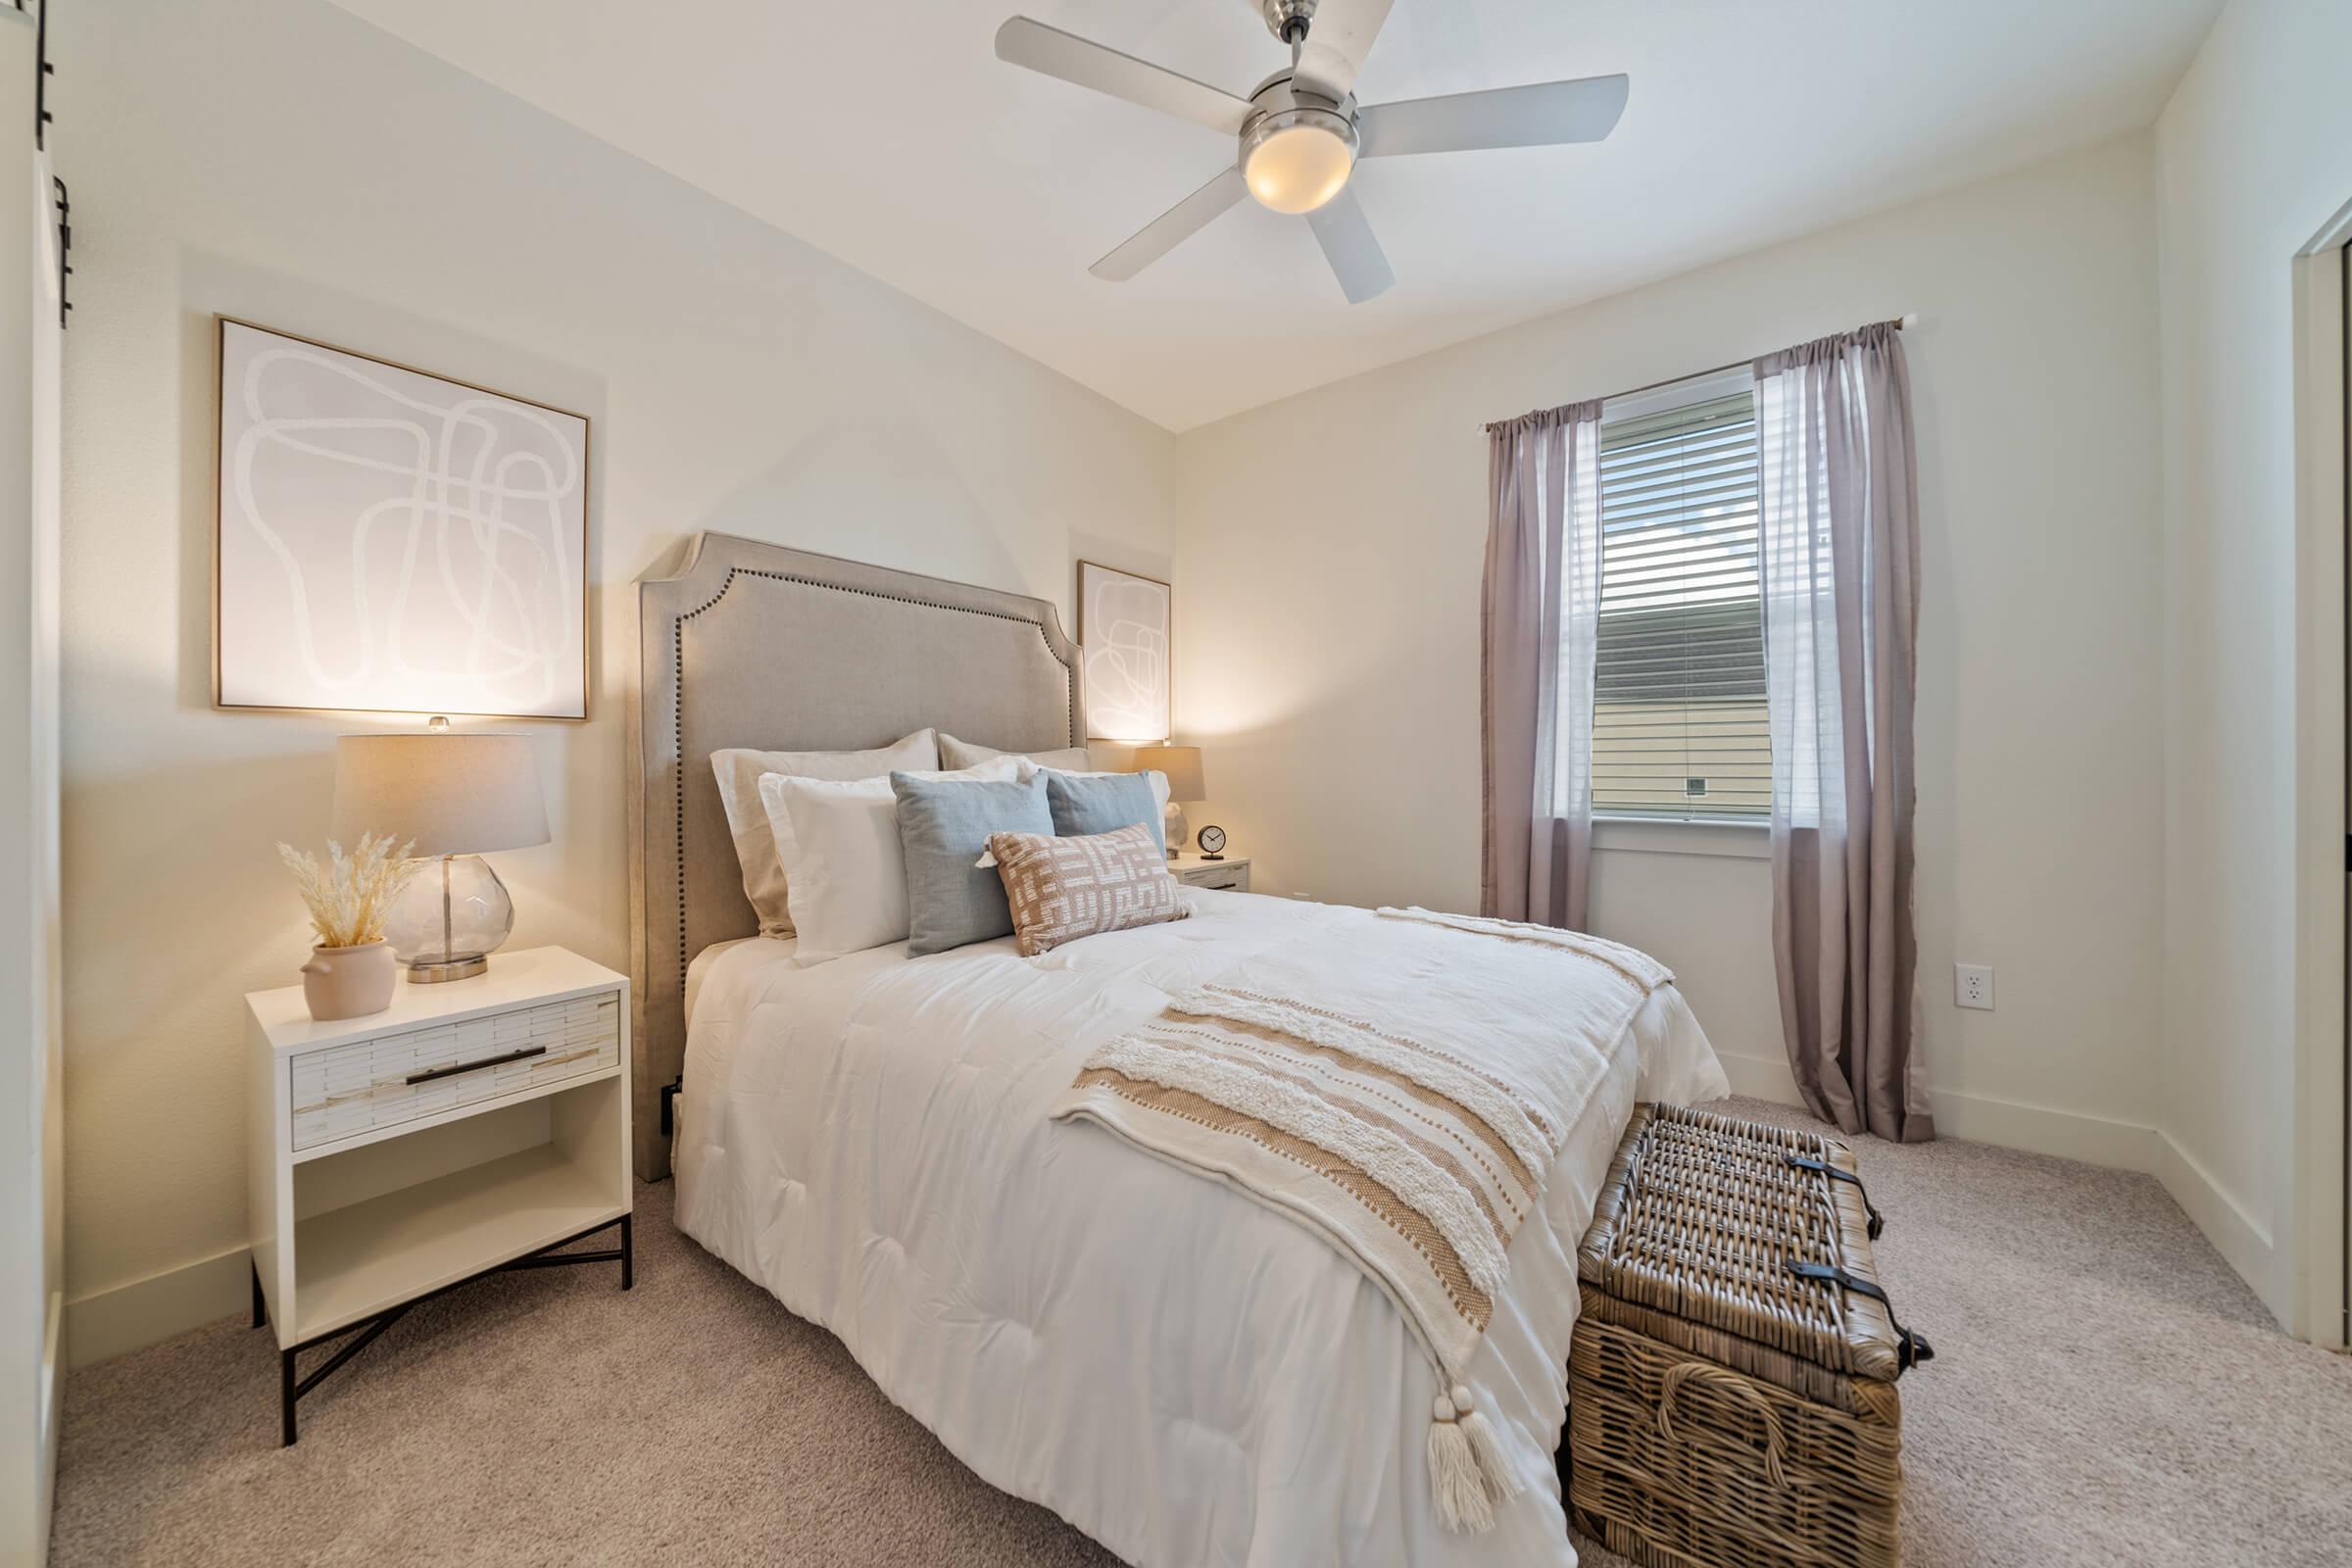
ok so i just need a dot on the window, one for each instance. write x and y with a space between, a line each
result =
1679 727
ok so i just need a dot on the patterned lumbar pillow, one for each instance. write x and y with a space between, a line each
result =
1061 889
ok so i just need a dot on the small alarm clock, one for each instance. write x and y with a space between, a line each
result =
1212 842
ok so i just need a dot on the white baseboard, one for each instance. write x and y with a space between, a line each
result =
130 1317
1984 1120
2244 1243
1761 1078
2042 1130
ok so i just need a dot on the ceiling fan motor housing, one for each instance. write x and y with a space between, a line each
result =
1277 104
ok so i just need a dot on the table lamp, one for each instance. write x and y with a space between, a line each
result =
1182 764
457 795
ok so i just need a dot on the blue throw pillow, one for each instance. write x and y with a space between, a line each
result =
1084 805
943 826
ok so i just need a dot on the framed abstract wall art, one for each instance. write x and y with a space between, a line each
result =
1124 630
393 541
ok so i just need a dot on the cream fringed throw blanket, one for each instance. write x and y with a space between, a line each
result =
1401 1086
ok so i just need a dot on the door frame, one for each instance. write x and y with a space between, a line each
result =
2321 1298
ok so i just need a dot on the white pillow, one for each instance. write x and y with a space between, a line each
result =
838 843
739 769
953 753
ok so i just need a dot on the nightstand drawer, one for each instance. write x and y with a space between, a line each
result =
345 1090
1225 879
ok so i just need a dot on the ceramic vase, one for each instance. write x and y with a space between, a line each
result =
348 982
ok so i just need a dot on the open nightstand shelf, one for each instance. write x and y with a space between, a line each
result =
474 1126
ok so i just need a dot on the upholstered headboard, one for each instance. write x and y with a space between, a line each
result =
753 644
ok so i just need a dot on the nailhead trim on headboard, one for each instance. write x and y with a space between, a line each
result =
677 636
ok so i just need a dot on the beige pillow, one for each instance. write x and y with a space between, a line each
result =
739 769
1064 889
953 753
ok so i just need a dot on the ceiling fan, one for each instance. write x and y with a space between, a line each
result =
1301 131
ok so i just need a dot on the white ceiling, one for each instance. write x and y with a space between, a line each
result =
886 133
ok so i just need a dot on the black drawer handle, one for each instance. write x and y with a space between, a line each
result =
523 1054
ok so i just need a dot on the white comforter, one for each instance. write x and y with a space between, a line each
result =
1187 1376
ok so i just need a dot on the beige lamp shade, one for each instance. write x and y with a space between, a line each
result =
1182 764
454 793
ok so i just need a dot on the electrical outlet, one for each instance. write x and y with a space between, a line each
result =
1971 985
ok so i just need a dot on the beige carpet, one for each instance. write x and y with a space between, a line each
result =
2105 1392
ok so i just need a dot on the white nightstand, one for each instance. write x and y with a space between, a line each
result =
474 1126
1231 873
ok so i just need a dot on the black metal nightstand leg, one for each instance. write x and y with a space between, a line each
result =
260 1307
363 1333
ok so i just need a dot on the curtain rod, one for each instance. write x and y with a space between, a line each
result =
1911 320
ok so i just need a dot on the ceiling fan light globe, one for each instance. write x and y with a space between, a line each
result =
1297 160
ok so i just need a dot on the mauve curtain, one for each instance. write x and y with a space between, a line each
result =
1538 629
1841 570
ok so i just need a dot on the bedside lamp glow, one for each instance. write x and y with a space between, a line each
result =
1182 764
458 796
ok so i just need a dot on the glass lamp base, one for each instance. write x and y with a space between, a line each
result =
454 913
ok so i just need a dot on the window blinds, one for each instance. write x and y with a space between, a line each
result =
1679 727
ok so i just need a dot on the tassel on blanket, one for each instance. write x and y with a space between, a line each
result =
1453 1478
1468 1470
1494 1466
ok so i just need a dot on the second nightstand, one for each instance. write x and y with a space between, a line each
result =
1232 873
472 1126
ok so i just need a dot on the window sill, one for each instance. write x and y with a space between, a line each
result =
1720 837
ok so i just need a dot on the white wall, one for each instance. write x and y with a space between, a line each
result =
1330 551
280 161
2254 157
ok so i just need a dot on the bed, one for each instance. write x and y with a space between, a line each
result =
1184 1374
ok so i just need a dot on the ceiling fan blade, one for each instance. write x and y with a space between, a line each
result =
1055 53
1544 114
1349 244
1171 228
1337 41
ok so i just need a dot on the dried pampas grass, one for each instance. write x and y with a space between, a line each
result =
349 896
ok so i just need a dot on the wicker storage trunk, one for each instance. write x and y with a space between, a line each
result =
1731 1385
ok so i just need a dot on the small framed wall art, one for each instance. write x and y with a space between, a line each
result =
1123 641
392 541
